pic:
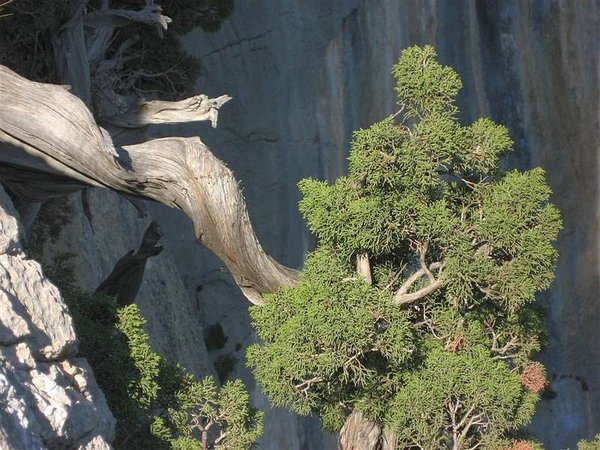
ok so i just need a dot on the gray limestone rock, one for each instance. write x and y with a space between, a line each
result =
94 443
48 397
35 306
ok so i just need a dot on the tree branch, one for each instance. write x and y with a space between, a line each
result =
70 54
363 267
99 40
193 109
403 297
221 437
151 14
64 141
305 385
511 345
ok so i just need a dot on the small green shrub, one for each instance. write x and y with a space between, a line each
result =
157 405
589 445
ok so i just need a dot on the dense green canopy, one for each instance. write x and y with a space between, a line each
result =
444 326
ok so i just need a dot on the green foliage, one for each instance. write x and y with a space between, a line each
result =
589 445
157 405
335 352
447 388
457 252
144 389
423 86
107 350
227 408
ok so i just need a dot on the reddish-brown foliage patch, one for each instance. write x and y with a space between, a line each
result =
519 445
534 377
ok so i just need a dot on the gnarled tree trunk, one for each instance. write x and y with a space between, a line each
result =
65 146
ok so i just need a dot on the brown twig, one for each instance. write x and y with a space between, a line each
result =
307 384
403 297
502 352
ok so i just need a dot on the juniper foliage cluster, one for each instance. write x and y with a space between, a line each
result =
594 444
439 347
157 405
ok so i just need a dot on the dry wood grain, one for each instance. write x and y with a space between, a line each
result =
48 135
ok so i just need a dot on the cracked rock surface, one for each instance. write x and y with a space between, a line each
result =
49 398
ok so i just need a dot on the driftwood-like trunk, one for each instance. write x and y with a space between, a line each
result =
48 136
359 433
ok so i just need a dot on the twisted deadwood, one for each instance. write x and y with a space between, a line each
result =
360 433
48 136
196 108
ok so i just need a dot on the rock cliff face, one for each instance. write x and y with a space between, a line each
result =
303 75
48 395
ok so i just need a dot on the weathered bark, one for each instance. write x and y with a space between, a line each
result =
64 142
359 433
69 48
196 108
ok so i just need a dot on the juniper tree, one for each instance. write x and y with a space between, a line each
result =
589 445
417 307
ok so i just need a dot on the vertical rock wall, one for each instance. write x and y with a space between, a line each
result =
97 239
